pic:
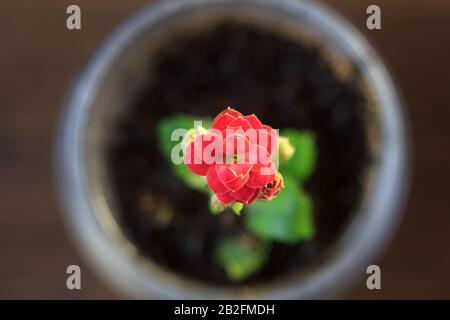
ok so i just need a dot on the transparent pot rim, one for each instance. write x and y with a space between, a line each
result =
366 236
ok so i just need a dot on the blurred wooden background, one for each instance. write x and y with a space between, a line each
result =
39 58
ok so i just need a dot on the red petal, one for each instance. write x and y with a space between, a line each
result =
263 168
194 156
200 169
221 122
240 123
235 144
245 194
213 181
256 179
229 172
212 148
224 118
258 155
233 112
225 198
237 183
254 121
194 161
268 138
255 196
269 171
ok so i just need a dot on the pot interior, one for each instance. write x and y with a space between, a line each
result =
286 72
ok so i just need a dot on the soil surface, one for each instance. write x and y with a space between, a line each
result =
287 84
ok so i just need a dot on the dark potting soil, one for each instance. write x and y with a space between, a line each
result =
285 83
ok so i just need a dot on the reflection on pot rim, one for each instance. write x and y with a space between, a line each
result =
89 212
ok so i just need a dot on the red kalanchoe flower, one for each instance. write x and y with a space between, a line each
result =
235 155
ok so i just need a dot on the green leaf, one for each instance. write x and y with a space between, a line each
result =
303 162
241 257
287 218
207 122
306 227
190 179
166 126
237 207
164 129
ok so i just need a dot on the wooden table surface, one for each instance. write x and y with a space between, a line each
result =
39 58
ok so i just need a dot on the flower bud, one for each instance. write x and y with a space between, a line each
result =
286 149
273 188
216 205
191 135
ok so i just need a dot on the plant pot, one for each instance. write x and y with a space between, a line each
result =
116 84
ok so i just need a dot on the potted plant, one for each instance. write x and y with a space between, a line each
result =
155 228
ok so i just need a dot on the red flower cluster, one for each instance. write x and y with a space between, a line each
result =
235 155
